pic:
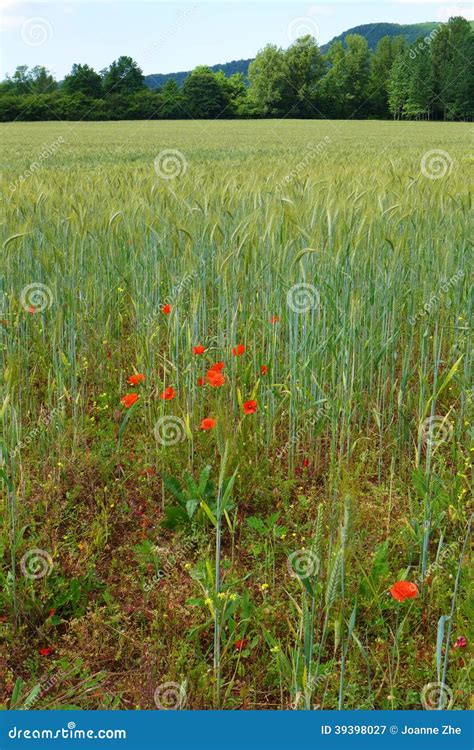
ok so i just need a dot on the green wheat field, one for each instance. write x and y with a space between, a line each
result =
289 529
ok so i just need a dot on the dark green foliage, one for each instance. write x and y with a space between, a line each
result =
172 101
205 95
434 79
83 80
197 501
387 51
374 32
123 77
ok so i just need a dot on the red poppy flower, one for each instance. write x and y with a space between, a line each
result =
240 644
264 369
275 319
201 381
238 350
136 379
461 642
217 367
32 309
199 349
52 612
215 379
305 462
402 590
168 394
129 399
166 309
45 651
250 407
208 423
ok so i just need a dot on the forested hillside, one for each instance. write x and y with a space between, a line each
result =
374 32
157 80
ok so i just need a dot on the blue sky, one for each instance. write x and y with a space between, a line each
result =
171 36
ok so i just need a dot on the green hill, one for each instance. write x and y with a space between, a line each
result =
156 80
374 32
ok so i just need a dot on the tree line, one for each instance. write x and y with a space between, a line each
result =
433 78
